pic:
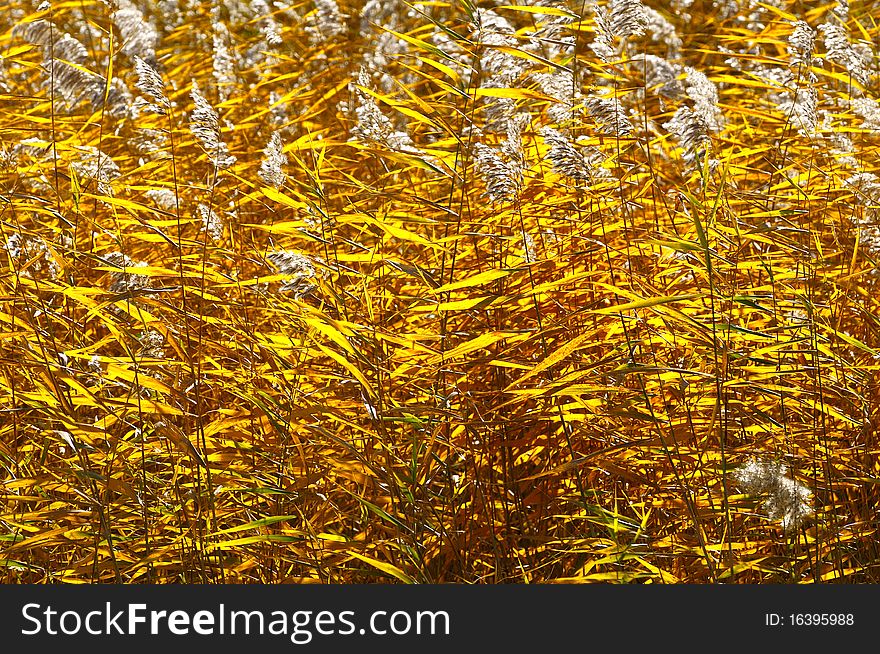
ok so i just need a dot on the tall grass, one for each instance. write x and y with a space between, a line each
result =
439 292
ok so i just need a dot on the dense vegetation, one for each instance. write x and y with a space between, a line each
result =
439 292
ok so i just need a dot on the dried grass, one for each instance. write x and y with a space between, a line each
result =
267 323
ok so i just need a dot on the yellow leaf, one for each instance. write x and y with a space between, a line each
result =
553 359
645 303
273 194
478 343
348 365
476 280
405 235
387 568
331 332
514 94
460 305
180 440
443 68
548 11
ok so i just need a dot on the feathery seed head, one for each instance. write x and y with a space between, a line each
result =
661 29
559 85
661 76
269 28
801 44
122 281
704 94
503 180
205 126
300 269
151 342
98 166
866 187
554 33
500 68
841 51
31 256
325 23
151 85
785 499
273 159
628 17
223 63
529 253
212 224
570 161
491 28
73 83
869 110
139 37
690 129
801 109
68 48
512 146
150 142
609 113
164 198
373 126
603 39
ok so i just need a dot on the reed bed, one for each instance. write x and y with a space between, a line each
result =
344 292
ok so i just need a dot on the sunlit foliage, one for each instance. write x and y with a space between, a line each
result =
439 292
